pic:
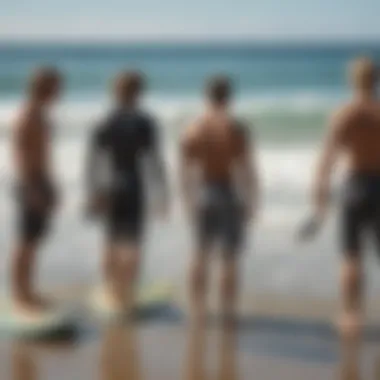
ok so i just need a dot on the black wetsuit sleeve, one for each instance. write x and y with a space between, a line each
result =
153 156
150 139
97 146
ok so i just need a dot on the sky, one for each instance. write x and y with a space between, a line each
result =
191 19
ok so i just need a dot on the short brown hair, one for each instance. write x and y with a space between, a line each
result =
219 88
129 84
44 81
364 73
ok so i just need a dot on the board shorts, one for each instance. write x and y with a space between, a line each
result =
33 220
125 212
360 212
219 218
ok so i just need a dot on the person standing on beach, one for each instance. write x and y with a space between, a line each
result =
127 140
220 189
35 191
354 132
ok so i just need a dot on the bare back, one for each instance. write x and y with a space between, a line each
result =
31 145
215 142
360 136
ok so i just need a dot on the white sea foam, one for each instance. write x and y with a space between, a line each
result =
79 114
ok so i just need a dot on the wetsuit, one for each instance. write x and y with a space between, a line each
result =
125 137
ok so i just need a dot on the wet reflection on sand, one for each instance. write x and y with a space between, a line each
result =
120 358
24 365
192 352
198 347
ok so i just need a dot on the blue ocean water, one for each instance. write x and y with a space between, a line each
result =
179 69
287 90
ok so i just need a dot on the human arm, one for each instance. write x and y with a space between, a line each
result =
330 153
155 167
247 172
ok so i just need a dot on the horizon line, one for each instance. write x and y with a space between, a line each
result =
80 40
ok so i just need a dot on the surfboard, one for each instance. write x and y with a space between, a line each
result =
150 299
309 229
13 324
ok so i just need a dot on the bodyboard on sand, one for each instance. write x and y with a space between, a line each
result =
150 299
14 324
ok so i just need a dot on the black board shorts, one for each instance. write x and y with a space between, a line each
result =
33 219
219 218
360 212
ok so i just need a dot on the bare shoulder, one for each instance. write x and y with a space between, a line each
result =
345 115
27 118
192 132
22 122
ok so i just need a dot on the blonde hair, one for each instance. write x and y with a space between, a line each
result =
364 73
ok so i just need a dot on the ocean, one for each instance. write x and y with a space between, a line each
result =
285 92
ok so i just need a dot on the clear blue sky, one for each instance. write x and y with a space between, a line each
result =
191 19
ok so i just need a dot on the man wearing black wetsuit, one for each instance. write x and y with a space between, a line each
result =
127 138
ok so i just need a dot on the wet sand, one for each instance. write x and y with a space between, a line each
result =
276 338
154 350
148 353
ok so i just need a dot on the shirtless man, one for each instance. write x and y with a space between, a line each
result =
355 133
35 191
219 183
128 141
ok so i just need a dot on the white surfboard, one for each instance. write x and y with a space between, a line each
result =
12 323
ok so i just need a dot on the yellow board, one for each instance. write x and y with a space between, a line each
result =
149 297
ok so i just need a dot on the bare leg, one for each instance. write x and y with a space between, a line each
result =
23 267
109 273
350 322
351 285
198 285
229 288
127 274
